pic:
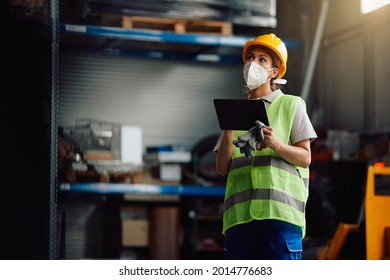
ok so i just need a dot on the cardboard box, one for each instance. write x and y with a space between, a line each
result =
170 172
135 226
135 232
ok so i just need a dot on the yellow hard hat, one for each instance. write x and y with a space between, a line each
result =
272 42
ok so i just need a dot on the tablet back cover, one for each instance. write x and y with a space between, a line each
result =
240 114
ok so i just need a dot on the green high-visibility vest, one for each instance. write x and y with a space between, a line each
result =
266 186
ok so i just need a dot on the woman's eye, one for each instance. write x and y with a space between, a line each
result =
249 57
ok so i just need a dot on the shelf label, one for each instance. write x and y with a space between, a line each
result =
76 28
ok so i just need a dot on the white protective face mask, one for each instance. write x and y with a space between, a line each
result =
255 75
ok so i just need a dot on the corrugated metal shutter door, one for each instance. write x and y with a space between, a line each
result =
170 100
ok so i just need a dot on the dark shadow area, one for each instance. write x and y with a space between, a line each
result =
24 192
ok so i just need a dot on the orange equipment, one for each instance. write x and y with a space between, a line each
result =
377 212
377 220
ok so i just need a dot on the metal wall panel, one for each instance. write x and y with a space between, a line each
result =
381 77
344 86
355 63
170 100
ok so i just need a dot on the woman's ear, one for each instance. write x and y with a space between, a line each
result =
275 73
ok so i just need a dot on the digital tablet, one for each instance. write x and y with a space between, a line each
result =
240 114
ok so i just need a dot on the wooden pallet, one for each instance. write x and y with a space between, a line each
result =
180 26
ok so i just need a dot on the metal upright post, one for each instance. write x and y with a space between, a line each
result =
54 17
315 49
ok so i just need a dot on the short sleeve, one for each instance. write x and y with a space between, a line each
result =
302 128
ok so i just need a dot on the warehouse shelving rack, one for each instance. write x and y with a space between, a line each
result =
205 42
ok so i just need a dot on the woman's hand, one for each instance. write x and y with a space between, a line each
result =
269 137
298 154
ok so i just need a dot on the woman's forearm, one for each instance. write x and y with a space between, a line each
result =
224 153
298 154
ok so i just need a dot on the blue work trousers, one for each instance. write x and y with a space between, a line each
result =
264 240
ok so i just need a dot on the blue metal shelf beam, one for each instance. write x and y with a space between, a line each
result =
121 188
162 36
166 37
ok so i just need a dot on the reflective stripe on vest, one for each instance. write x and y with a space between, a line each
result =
269 194
267 161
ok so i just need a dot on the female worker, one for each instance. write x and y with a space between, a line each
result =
266 194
